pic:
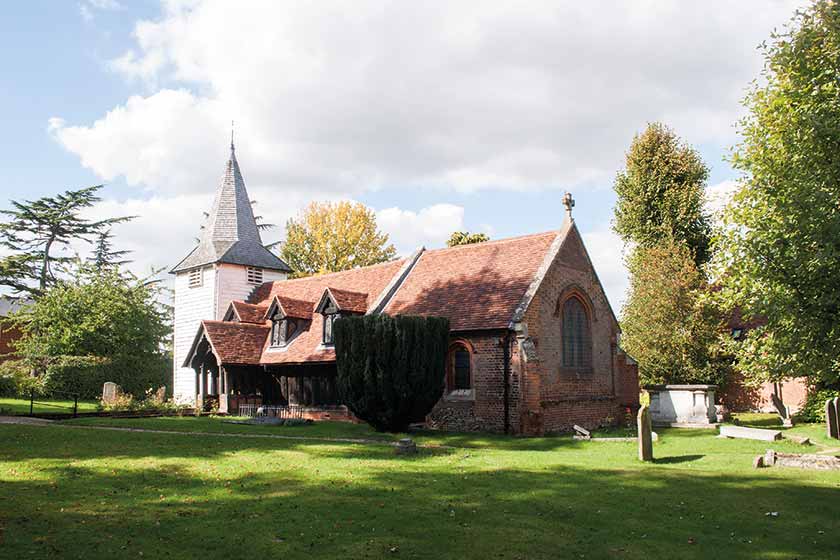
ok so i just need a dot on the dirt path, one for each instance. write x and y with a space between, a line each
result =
25 420
363 441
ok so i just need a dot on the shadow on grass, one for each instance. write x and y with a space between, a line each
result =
354 502
677 459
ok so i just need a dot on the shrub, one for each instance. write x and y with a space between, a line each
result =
16 380
84 375
391 370
814 409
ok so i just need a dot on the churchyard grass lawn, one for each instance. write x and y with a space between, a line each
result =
18 407
83 493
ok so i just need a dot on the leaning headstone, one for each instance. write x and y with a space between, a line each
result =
831 418
782 410
110 392
406 446
581 433
740 432
645 440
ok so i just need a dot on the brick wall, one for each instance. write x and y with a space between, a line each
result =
485 410
8 335
740 397
566 397
544 397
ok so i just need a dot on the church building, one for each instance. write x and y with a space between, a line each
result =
534 344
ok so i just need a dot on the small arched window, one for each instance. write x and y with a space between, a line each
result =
459 368
577 338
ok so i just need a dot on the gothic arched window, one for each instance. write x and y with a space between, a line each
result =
459 368
577 338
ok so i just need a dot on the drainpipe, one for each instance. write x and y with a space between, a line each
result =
506 378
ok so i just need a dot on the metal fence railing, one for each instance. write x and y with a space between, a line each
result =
52 404
271 411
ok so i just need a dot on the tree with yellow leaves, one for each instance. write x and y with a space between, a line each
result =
330 237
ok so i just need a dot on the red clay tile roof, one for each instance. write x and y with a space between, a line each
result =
363 286
248 312
296 308
476 286
236 343
370 280
305 347
346 300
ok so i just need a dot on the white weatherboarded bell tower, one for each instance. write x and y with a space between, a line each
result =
228 263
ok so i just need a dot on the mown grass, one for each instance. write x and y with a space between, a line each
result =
83 493
19 407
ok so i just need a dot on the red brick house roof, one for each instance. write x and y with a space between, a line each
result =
481 286
235 343
291 307
248 312
476 286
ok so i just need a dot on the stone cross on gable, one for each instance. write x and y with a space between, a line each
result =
569 203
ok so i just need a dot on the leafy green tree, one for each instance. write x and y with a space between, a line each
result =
97 323
391 370
668 325
37 229
330 237
661 193
466 238
779 249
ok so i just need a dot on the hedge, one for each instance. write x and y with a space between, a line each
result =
85 375
391 370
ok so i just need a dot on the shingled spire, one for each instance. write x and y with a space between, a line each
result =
231 234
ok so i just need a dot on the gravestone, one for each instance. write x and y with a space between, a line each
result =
645 438
740 432
782 410
110 392
581 433
831 418
837 416
405 446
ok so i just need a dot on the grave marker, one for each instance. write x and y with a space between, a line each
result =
645 438
740 432
831 418
110 392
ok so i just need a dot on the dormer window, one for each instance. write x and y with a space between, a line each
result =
329 321
282 329
254 275
328 308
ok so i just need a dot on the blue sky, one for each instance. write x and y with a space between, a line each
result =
472 116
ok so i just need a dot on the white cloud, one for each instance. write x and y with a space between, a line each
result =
719 195
87 8
335 97
430 227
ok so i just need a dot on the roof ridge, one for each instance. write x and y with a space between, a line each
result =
495 241
328 274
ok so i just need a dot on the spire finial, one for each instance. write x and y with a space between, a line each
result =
569 203
231 136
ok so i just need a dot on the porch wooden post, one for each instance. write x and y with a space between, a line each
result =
202 387
225 379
